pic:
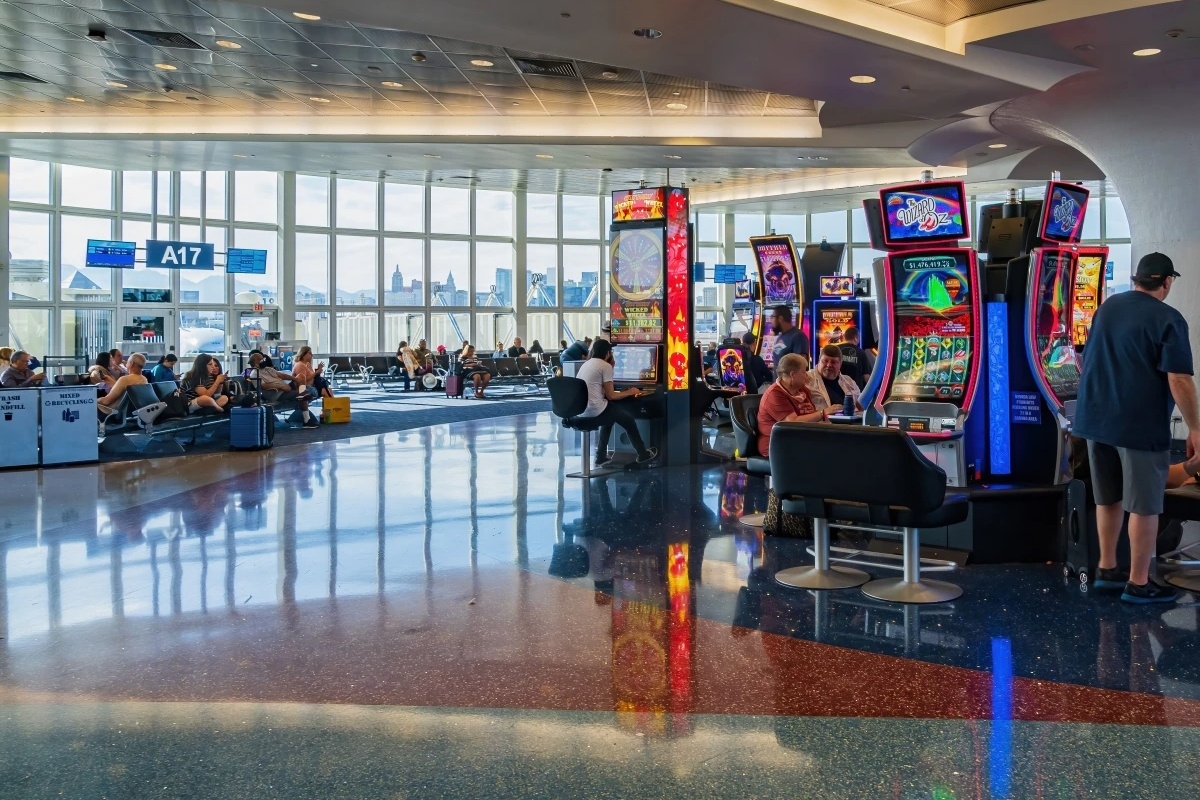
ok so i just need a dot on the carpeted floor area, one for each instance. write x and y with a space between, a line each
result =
373 412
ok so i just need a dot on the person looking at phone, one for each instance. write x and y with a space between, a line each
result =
204 385
604 403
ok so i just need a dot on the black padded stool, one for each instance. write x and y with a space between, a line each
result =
817 470
743 413
569 399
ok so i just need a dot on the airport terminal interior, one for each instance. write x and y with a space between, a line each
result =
358 532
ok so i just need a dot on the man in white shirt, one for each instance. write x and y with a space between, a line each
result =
828 384
603 403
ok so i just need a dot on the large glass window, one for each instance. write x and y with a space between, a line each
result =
357 204
403 207
450 330
541 216
142 283
266 286
313 327
577 325
28 181
449 271
403 272
545 330
450 210
136 188
402 326
542 274
710 227
494 274
29 330
312 200
86 187
357 271
1091 221
312 269
215 196
82 284
29 262
747 225
256 197
357 331
190 190
201 287
581 275
581 216
86 331
830 226
1116 223
202 331
793 225
494 213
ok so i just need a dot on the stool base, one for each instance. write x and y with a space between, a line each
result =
898 590
813 578
1188 581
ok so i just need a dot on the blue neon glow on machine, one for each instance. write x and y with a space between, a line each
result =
1000 744
999 434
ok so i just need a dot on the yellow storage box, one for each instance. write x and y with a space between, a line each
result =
335 409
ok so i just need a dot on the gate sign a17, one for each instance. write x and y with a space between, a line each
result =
179 255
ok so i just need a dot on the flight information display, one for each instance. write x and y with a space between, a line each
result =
924 213
934 326
243 261
638 263
1056 357
105 253
635 363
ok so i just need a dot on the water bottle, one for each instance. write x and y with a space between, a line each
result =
848 406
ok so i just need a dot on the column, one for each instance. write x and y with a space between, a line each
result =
287 257
4 251
521 269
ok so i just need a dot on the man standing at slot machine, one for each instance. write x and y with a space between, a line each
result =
788 338
1138 360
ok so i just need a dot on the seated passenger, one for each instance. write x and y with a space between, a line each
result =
307 379
828 384
788 399
116 364
755 365
279 386
204 385
577 351
164 370
109 403
500 350
469 366
516 349
604 403
422 352
18 374
535 349
100 374
5 357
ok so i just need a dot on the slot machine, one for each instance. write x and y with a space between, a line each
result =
931 313
835 312
650 309
1091 272
779 282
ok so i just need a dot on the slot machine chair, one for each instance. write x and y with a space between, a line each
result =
569 399
744 416
816 471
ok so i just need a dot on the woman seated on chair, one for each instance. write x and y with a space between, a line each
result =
204 385
789 399
100 375
471 367
309 380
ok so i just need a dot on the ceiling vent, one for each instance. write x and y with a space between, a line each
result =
165 39
551 68
20 77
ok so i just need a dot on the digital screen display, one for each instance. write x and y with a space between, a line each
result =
631 205
1063 212
1089 286
776 258
934 326
242 261
729 273
924 213
837 286
1052 325
832 320
637 264
113 255
741 291
732 367
767 350
635 363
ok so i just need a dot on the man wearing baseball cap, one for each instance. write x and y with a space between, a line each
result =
1137 366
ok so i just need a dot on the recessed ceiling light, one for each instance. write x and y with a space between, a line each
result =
610 74
432 155
481 62
544 155
393 84
76 99
313 64
319 99
239 155
228 44
1147 51
862 79
822 158
374 69
648 33
167 67
998 146
308 17
118 85
673 157
677 106
515 103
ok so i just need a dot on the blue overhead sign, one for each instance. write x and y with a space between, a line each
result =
105 253
729 273
179 255
242 261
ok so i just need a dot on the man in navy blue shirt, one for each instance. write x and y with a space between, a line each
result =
788 338
1137 365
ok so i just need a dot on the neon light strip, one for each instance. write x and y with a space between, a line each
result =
999 431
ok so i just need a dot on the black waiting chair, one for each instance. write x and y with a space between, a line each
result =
569 399
818 471
743 413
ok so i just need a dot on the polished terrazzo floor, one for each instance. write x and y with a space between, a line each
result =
436 613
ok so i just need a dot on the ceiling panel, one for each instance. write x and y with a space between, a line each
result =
945 12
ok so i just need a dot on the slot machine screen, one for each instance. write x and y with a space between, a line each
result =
1088 274
832 320
638 264
776 256
924 213
934 326
635 363
733 368
1063 212
1052 325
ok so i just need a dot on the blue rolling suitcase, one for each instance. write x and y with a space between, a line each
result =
251 428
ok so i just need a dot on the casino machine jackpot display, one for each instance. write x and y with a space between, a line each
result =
636 278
